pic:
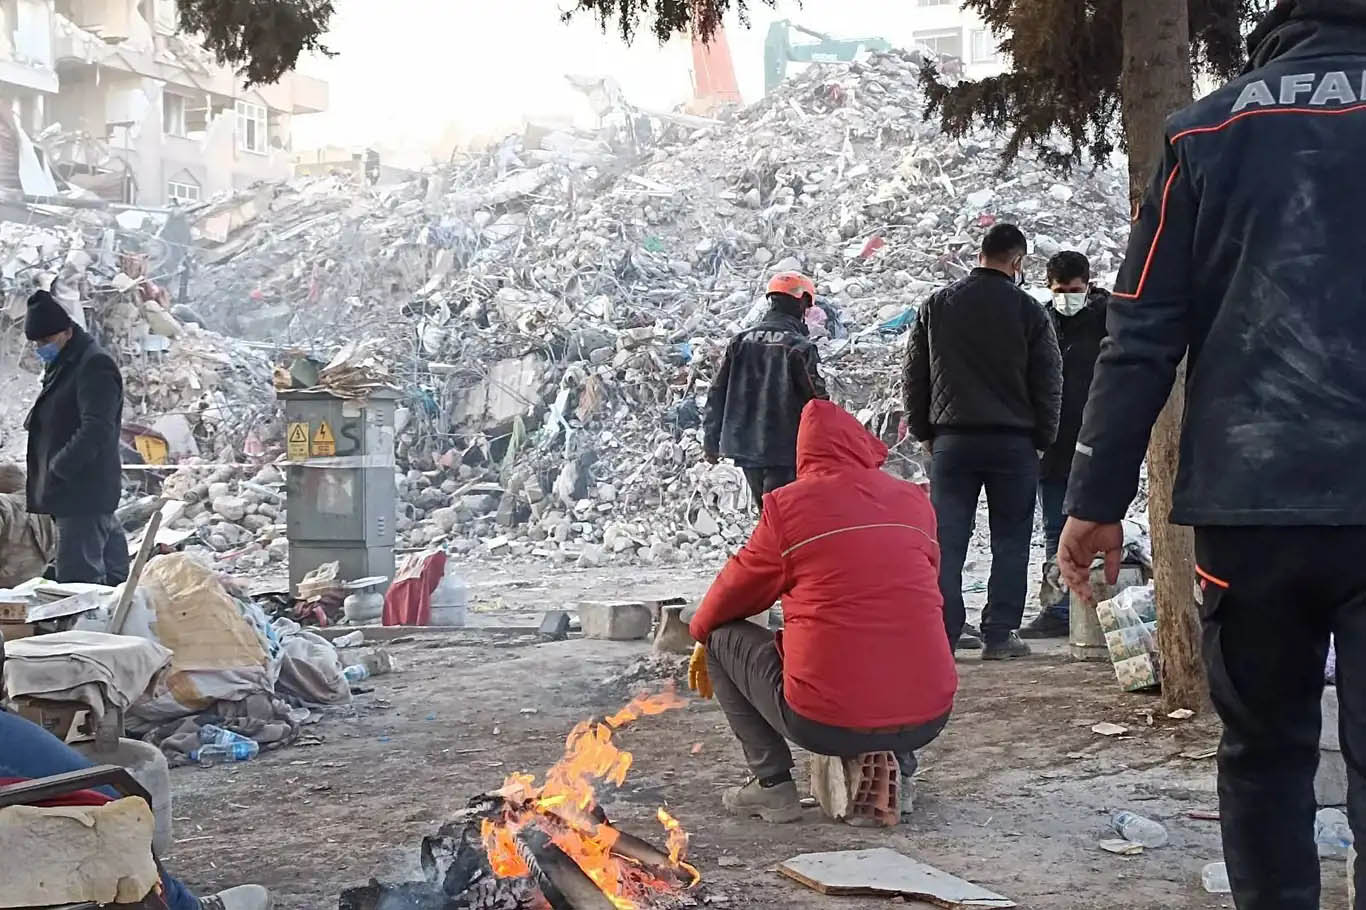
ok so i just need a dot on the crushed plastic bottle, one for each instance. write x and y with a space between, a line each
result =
219 745
1332 833
1139 830
356 673
1215 879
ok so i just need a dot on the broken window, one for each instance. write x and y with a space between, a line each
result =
984 46
946 42
181 193
174 121
251 128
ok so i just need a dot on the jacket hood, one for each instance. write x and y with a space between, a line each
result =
1293 22
830 439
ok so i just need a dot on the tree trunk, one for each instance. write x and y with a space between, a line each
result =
1156 81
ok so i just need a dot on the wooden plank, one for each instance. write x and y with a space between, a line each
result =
149 541
885 872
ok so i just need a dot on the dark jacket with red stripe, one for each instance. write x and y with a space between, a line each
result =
854 555
1247 257
768 374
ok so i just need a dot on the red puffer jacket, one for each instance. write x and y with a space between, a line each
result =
853 552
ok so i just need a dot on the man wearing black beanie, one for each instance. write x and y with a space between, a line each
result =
74 469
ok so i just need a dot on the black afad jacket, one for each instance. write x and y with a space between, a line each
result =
1247 257
768 375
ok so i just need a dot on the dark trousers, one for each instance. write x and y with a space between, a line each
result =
1052 492
766 480
1271 597
91 548
747 673
1008 467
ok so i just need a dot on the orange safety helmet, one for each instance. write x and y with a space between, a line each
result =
793 284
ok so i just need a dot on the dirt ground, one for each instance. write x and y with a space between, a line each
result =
1015 795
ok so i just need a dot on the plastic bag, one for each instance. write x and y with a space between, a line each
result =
1129 620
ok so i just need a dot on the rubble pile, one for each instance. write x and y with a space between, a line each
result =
553 309
197 389
237 513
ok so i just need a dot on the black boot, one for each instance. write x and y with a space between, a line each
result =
1047 625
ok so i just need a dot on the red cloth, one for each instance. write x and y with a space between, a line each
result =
78 798
408 601
853 552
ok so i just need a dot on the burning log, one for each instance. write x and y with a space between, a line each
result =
547 847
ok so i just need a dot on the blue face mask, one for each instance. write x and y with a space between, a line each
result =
48 352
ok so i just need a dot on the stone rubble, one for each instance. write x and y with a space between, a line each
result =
552 309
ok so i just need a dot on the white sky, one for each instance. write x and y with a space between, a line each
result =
409 72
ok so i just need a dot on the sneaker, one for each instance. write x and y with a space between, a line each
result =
243 897
969 641
1047 625
1008 649
777 805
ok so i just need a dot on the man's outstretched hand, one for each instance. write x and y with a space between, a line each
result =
699 680
1081 541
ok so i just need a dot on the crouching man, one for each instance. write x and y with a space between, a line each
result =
862 665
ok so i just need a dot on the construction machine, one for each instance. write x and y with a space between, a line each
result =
780 49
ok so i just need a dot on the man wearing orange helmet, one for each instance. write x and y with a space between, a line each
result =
767 376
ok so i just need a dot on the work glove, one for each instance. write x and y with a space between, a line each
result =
699 680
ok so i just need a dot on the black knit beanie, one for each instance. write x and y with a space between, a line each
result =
45 316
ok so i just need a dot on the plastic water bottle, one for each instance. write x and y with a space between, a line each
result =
1139 830
1215 879
219 745
356 672
1332 833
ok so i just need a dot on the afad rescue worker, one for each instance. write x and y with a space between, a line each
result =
767 376
74 468
863 664
1078 310
1242 262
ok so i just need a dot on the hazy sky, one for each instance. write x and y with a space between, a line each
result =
407 71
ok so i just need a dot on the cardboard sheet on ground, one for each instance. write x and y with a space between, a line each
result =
886 872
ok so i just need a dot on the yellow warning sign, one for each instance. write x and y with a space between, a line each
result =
324 443
297 441
152 449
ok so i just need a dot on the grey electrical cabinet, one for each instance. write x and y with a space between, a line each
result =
340 482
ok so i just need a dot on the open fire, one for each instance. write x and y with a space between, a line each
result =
533 846
565 809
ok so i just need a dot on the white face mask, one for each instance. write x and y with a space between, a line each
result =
1069 304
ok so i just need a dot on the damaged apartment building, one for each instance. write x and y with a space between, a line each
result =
120 104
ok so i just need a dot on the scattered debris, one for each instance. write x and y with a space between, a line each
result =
1181 714
1121 847
886 872
1106 728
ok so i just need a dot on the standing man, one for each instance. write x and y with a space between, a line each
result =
1078 311
74 470
983 386
767 376
1240 261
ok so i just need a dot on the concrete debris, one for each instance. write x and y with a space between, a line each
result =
553 309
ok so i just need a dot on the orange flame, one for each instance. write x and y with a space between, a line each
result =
569 796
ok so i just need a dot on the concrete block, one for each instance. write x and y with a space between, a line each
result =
672 636
554 626
1330 783
615 620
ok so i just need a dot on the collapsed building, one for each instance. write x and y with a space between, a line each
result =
551 309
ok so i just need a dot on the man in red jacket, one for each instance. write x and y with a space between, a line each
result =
863 664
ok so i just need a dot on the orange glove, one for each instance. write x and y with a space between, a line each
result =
699 680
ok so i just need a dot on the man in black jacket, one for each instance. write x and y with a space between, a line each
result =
983 386
767 376
1240 262
1078 312
74 471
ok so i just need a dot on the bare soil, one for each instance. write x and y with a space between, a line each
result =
1015 795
